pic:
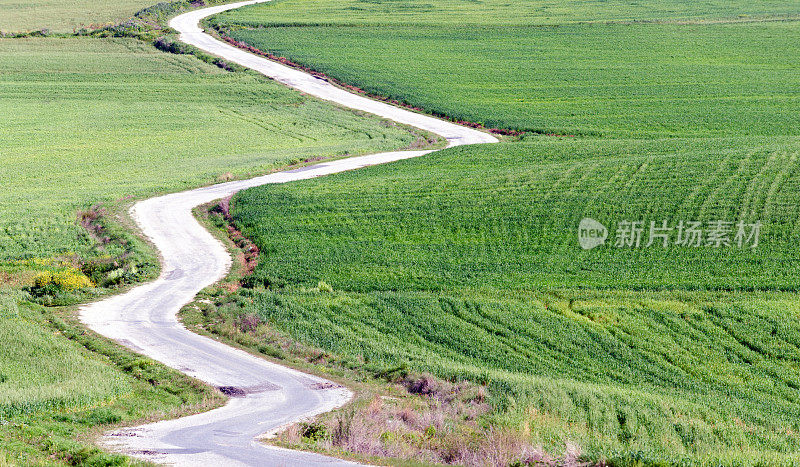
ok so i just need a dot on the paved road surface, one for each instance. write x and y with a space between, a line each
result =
144 319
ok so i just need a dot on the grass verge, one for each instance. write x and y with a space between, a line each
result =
63 386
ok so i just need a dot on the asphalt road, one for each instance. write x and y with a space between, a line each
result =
144 319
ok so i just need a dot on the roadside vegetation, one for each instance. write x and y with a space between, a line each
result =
60 386
465 265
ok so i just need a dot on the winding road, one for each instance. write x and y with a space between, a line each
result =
145 318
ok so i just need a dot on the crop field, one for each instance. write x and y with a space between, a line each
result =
84 121
466 263
502 12
711 380
611 80
64 15
506 216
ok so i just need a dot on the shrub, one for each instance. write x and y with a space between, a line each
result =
112 271
249 322
67 280
266 281
425 385
168 45
313 431
225 65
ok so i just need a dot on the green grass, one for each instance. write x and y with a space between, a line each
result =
500 12
64 15
506 216
96 120
613 80
60 386
41 371
702 379
466 263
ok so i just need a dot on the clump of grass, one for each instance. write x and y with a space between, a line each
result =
168 44
249 323
9 299
433 428
313 432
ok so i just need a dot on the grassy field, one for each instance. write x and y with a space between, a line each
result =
64 15
613 80
88 120
502 13
670 378
506 216
466 263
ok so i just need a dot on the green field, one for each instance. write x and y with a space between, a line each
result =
505 216
87 120
65 15
612 80
503 12
466 263
705 380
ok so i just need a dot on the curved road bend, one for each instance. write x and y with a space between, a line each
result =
144 319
